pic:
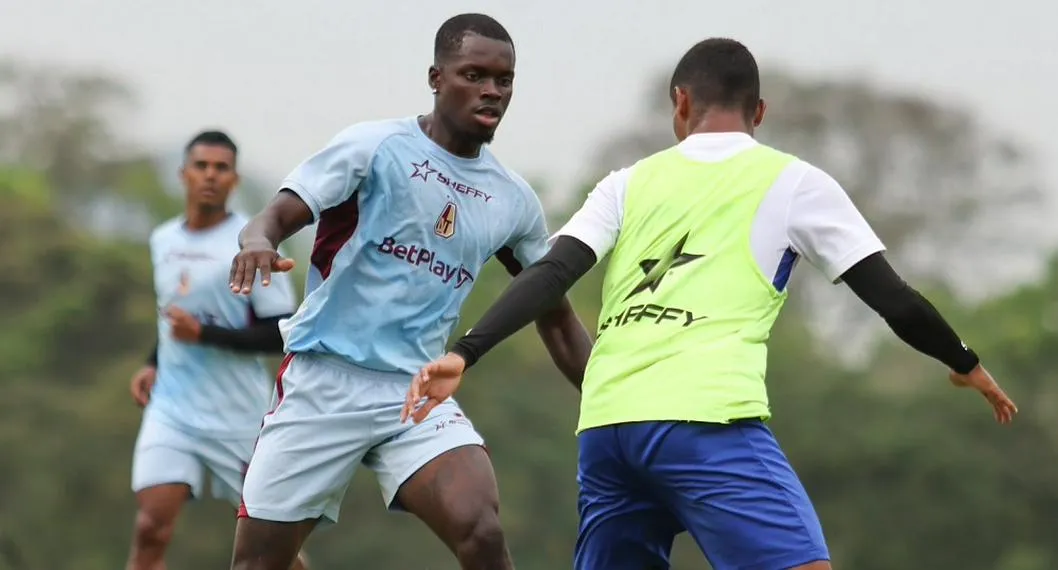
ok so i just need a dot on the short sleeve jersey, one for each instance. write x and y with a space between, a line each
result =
404 228
199 388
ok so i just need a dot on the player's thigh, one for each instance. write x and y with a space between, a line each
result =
309 445
736 493
405 455
622 525
164 455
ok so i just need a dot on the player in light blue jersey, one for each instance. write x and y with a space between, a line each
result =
408 212
205 388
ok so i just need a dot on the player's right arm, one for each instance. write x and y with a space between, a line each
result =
825 227
324 180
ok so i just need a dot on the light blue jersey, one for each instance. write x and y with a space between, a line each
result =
202 389
404 230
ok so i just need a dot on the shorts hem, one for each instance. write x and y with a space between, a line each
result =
793 560
391 498
193 493
273 515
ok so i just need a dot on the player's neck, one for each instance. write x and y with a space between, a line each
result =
203 217
436 131
721 121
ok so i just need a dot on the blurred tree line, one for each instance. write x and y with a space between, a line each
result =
906 471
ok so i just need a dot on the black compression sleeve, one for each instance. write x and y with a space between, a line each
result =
533 292
262 336
152 358
913 318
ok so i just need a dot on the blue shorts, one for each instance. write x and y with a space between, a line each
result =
730 486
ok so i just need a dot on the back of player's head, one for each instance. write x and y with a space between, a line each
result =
719 72
449 38
212 138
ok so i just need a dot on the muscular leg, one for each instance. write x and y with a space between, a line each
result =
268 545
457 497
156 516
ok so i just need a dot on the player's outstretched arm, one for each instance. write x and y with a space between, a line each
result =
918 323
284 216
534 292
537 290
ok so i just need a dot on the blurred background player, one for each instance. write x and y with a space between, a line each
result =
409 210
205 387
702 239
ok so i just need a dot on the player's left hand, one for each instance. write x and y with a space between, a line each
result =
184 327
435 383
979 379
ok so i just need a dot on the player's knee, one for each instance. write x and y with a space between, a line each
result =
153 530
482 538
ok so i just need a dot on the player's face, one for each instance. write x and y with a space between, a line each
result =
474 87
209 175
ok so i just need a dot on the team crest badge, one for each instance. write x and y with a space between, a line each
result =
185 283
446 222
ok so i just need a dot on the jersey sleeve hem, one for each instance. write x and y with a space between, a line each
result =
597 246
299 189
854 256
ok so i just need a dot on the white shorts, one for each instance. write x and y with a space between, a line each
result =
331 417
167 455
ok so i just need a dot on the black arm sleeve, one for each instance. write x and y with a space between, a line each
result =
533 292
152 358
262 336
914 319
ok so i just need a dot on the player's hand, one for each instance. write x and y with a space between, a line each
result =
253 257
183 325
979 379
435 383
142 384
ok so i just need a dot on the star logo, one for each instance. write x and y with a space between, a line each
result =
423 170
655 269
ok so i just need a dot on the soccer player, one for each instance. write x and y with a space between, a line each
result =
205 387
702 238
408 211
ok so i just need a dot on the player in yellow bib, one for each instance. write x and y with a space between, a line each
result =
702 239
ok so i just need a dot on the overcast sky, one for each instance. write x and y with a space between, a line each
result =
284 76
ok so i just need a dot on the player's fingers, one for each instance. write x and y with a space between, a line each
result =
266 273
238 269
231 272
425 410
246 279
139 394
409 399
413 397
1003 405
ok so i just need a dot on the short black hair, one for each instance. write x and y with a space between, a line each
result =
719 72
212 138
449 38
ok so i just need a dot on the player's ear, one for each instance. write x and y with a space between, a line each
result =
433 79
682 100
762 108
